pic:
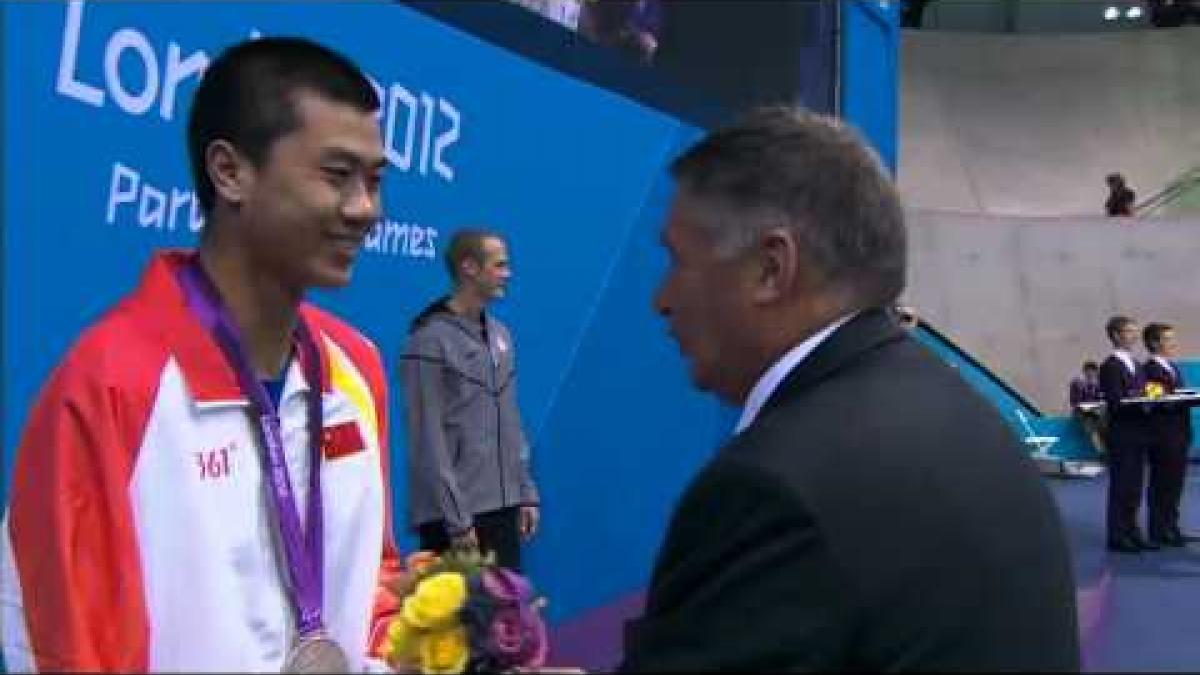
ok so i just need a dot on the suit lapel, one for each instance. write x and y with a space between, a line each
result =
1173 373
871 328
1164 370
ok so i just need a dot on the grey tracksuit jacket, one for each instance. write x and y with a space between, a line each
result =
467 452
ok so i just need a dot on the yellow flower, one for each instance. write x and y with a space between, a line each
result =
402 642
436 600
445 651
1155 390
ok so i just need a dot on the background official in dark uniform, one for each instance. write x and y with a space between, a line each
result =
1128 437
1171 438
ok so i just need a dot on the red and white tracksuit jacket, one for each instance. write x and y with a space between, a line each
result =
138 536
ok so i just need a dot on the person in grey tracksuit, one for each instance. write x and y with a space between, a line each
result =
470 484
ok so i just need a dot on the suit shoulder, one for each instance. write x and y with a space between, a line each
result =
895 392
874 424
735 465
733 488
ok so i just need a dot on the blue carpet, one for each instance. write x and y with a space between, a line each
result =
1138 612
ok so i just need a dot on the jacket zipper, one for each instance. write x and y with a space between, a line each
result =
495 393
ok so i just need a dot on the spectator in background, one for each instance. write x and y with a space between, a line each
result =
1086 387
1120 197
632 26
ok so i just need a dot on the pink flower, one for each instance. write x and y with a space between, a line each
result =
536 645
505 585
518 634
507 632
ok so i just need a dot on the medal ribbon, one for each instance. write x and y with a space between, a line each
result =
303 550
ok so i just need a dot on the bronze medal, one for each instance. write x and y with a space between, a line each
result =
316 654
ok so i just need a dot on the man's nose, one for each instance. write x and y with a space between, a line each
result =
659 302
362 206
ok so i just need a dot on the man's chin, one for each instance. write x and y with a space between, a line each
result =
700 380
706 381
332 276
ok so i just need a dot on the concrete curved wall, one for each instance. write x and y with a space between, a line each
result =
1028 297
1030 124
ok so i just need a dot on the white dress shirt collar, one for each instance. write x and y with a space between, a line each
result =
1126 358
1164 362
771 379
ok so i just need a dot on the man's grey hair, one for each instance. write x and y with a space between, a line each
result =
780 166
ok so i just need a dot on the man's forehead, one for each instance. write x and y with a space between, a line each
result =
683 228
339 128
339 150
679 217
494 246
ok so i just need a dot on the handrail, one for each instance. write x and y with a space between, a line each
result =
1182 182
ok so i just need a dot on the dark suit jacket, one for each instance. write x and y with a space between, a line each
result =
1169 424
878 515
1127 423
1082 391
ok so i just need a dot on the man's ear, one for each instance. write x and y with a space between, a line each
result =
231 173
776 265
468 269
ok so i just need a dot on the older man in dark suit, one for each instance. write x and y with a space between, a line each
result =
1170 438
872 512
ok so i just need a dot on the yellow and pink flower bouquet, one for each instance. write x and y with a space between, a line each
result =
460 612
